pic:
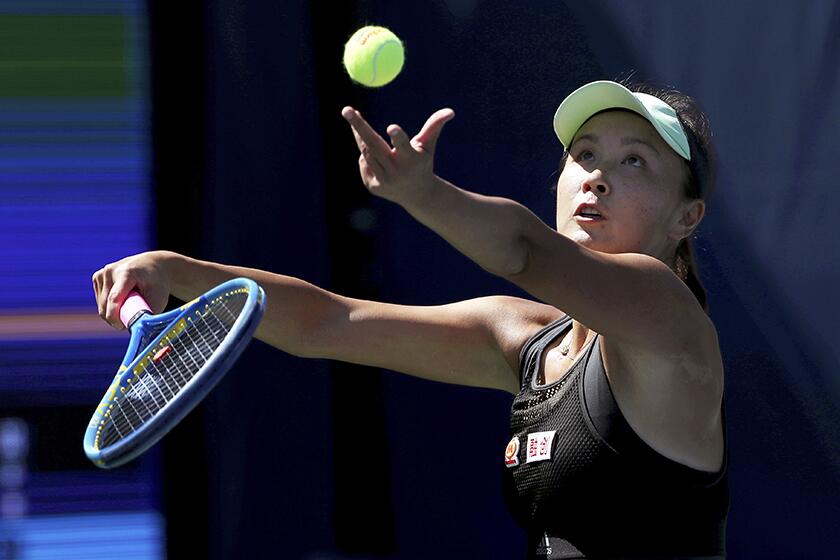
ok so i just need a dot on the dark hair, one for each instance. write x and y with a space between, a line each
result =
702 170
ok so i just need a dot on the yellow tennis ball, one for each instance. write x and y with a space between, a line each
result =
373 56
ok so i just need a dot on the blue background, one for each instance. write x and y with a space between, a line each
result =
242 157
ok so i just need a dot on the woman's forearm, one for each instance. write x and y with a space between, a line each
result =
295 309
492 231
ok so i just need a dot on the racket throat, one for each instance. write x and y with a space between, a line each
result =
134 318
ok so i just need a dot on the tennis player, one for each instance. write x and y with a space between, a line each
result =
618 441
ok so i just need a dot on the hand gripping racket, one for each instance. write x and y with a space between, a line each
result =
173 360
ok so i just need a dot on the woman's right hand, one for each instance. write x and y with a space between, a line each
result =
145 273
402 173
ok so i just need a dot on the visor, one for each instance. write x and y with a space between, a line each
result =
594 97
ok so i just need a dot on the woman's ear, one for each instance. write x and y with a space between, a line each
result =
691 213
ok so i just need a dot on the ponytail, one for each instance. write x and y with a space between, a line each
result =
686 268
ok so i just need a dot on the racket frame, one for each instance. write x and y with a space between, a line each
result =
201 383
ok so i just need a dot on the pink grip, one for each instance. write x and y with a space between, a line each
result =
132 305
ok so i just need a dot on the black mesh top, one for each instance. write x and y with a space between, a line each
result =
603 492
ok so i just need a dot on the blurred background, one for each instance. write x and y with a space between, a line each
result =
213 128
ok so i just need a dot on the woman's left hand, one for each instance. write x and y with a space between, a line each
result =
403 171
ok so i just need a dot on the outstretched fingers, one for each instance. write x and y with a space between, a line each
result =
399 140
366 137
428 136
398 170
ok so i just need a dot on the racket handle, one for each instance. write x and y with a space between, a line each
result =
133 307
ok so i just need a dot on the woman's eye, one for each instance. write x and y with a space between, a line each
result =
586 155
635 161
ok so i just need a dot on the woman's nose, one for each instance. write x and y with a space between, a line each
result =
596 181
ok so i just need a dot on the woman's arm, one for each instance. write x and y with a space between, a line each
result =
633 299
474 342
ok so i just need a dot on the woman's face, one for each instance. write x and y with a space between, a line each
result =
620 165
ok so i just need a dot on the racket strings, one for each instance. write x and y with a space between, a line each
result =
162 379
147 338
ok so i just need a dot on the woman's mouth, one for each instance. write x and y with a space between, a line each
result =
588 213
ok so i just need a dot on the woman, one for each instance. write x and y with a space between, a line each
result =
618 446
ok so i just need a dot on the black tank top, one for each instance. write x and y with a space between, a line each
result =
584 485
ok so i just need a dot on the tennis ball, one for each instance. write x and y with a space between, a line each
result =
373 56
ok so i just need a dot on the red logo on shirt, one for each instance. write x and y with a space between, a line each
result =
512 452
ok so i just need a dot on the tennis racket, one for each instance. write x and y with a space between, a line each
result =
173 360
